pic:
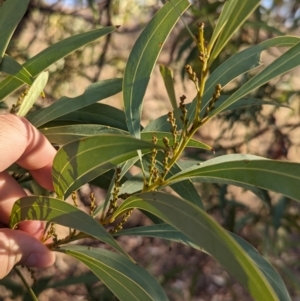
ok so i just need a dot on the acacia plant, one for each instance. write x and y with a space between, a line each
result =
97 141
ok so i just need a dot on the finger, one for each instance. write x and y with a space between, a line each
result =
10 191
19 247
22 143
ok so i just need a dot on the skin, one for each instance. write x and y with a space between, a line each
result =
23 144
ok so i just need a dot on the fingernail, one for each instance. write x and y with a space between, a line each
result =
38 260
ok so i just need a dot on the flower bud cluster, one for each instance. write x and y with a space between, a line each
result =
215 97
15 107
120 225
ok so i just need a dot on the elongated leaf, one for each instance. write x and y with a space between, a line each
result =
33 93
222 21
268 270
167 232
204 231
249 102
95 92
281 65
11 13
163 231
10 66
53 210
168 78
260 193
68 133
238 169
50 55
81 161
143 58
234 14
128 281
97 113
236 65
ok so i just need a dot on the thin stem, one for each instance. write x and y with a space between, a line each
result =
31 292
68 239
200 96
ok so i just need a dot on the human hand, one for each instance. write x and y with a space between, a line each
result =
20 142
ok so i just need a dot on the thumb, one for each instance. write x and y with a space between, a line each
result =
18 247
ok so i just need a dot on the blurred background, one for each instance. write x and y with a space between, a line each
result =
270 222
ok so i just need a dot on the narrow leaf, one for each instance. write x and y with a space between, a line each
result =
50 55
237 169
81 161
11 13
221 22
95 92
143 58
237 65
286 62
33 93
204 231
97 113
269 271
10 66
167 232
168 78
56 211
67 133
246 102
163 231
233 16
126 280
